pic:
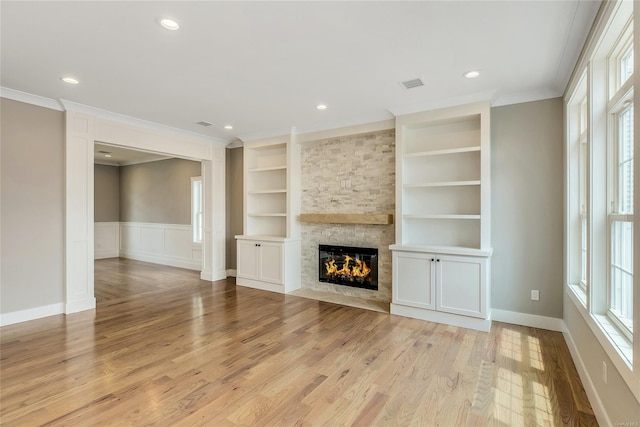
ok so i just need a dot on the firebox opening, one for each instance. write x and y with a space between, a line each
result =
348 266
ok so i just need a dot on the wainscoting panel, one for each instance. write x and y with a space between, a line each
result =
106 240
168 244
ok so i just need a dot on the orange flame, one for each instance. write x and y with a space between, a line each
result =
359 268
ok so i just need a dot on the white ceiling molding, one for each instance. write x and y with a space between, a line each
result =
345 123
526 96
320 127
29 98
121 118
236 144
347 130
401 110
106 163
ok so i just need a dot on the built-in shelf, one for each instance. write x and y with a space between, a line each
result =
441 258
267 214
278 191
368 219
441 216
442 152
441 184
273 168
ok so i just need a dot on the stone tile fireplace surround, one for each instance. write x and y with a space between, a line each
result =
366 162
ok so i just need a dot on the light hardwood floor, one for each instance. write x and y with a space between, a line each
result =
165 348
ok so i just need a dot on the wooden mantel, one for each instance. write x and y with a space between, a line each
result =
369 219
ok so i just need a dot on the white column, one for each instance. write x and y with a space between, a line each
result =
214 243
79 249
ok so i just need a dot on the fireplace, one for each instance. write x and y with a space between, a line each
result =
348 266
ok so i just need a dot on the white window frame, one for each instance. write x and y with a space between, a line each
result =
583 179
623 101
599 66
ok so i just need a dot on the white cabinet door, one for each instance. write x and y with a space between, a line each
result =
271 262
414 279
247 259
461 285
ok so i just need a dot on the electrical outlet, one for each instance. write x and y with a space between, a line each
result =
348 183
535 295
604 371
343 183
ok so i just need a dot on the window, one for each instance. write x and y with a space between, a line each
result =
621 222
620 184
600 174
583 184
196 208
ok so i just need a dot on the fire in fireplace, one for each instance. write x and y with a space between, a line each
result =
349 266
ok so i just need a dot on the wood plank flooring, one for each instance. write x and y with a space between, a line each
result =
165 348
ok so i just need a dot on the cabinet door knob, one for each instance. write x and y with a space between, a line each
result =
437 260
433 259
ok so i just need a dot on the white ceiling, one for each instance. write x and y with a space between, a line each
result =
264 66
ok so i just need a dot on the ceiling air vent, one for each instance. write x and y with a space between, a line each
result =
205 124
411 84
104 152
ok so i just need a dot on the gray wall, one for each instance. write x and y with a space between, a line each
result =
106 194
234 183
32 206
527 207
157 192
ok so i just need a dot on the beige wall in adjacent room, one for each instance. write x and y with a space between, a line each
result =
234 183
32 206
157 192
106 193
527 207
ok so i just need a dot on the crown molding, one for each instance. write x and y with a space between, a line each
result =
401 110
346 130
236 144
66 105
319 127
133 121
29 98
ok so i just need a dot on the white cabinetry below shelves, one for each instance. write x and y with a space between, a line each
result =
441 256
270 264
442 288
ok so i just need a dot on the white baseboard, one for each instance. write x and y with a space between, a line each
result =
477 324
106 254
524 319
163 260
257 284
31 314
589 387
80 305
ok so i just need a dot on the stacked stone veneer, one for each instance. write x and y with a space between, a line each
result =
368 161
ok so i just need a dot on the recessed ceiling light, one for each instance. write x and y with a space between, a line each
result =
70 80
228 127
472 74
169 24
107 155
321 107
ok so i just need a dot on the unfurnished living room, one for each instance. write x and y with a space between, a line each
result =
319 213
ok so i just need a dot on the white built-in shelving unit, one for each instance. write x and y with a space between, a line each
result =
442 250
269 248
